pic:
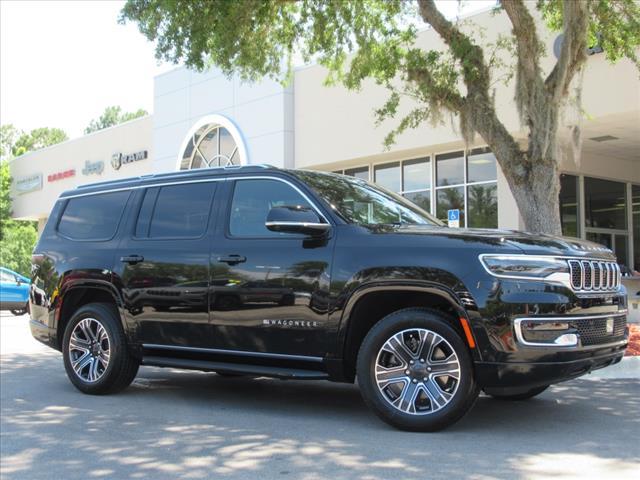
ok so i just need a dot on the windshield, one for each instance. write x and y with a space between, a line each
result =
360 202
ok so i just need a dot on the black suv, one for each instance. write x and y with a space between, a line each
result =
307 275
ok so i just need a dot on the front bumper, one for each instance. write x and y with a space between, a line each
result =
534 374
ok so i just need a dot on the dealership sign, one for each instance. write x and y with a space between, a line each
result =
54 177
119 159
93 167
29 183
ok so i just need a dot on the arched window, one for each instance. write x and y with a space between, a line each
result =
212 142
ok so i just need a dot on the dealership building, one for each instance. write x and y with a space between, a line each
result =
206 119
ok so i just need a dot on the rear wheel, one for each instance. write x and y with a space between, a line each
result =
515 395
95 351
415 372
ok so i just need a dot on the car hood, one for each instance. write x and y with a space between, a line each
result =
529 243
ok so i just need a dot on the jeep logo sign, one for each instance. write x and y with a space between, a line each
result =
119 159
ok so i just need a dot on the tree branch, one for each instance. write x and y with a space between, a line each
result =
573 52
527 41
478 105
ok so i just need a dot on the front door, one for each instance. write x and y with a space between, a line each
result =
269 291
164 265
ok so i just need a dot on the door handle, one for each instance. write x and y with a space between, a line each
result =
232 259
132 259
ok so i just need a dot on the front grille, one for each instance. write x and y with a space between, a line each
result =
594 275
593 331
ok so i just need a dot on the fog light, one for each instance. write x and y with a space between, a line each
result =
567 340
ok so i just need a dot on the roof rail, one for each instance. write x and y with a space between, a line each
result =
197 172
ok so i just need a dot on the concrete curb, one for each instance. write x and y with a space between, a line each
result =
629 367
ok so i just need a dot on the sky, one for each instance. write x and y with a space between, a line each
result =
63 62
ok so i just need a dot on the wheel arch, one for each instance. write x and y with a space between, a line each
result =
371 303
80 294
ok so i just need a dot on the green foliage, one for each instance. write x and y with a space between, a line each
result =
8 137
36 139
19 238
5 194
613 24
113 116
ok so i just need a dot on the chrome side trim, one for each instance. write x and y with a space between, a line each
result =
520 337
242 353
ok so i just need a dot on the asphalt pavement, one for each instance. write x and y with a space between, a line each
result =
192 425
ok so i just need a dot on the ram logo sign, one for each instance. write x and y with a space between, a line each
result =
119 159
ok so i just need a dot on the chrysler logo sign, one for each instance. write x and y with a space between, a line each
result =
119 159
29 183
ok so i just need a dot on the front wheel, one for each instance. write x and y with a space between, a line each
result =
19 311
95 351
415 371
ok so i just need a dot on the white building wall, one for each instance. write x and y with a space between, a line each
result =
262 111
100 146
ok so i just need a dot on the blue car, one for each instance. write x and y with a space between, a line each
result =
14 291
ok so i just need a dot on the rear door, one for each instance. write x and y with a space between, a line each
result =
164 265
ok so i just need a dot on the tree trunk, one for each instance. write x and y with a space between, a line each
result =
537 197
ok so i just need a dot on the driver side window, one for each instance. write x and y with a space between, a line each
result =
252 200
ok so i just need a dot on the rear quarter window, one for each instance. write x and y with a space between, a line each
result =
93 217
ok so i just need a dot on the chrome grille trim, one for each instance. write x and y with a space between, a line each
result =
594 275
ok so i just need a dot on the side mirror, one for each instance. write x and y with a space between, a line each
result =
296 219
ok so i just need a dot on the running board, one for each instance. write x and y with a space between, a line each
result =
260 370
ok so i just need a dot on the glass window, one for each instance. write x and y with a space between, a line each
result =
621 250
94 217
482 203
450 169
211 146
449 199
605 204
361 173
388 176
481 165
635 196
416 175
6 277
252 200
421 199
181 211
569 205
364 203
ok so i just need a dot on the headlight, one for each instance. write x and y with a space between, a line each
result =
524 266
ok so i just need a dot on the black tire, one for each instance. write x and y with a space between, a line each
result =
515 395
230 374
19 312
462 396
121 368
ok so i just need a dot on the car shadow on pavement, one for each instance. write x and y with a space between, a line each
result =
177 424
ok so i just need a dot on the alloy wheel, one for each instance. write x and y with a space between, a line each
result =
417 371
89 350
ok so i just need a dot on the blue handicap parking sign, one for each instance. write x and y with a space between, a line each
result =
454 215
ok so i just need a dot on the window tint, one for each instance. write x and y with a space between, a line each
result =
94 217
252 200
176 211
